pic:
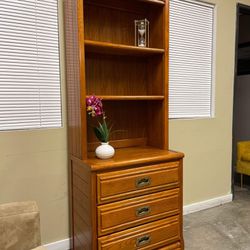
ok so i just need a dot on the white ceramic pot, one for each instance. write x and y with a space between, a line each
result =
104 151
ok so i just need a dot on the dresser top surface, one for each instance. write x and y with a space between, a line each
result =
132 156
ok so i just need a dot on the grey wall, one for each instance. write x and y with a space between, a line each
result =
244 34
241 110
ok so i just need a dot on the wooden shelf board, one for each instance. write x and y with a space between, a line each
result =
132 156
119 49
153 1
131 98
156 2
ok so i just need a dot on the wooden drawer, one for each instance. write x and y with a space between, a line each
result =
127 183
136 211
175 246
150 236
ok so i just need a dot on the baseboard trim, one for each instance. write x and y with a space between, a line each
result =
59 245
198 206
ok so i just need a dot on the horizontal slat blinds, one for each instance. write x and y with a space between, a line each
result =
190 59
30 95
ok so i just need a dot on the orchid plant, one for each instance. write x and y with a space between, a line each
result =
95 110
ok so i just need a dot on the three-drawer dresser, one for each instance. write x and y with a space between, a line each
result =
131 203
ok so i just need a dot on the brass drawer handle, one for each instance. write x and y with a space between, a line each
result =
141 241
142 182
142 211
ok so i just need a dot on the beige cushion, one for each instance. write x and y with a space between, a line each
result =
19 226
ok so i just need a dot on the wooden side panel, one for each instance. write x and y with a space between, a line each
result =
78 245
165 75
155 124
158 112
73 78
181 204
84 207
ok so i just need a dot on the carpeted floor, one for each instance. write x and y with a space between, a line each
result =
226 227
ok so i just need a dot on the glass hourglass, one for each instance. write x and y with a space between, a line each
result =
142 33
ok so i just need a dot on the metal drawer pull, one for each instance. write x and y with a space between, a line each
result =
142 182
141 241
142 211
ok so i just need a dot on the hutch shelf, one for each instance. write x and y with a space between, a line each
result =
134 200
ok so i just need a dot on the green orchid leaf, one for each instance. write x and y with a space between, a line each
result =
102 132
99 134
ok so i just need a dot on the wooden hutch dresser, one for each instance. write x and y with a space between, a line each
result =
134 200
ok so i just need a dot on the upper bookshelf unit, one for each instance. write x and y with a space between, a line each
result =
103 60
112 21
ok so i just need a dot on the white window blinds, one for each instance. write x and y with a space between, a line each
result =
190 59
29 65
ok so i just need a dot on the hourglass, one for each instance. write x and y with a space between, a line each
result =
142 33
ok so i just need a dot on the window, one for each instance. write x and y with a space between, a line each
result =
191 59
30 95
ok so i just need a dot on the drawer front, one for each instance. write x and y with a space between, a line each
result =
150 236
128 183
175 246
136 211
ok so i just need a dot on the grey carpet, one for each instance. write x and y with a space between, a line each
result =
225 227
